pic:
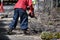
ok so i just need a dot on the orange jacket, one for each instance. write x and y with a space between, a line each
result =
23 4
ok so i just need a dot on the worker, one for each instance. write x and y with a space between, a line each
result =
20 11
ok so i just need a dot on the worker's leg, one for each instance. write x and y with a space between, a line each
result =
15 19
23 19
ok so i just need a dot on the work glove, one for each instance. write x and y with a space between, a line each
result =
31 14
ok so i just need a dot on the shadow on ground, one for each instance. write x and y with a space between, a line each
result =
3 34
2 24
3 30
4 37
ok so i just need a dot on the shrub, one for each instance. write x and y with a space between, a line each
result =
46 35
57 35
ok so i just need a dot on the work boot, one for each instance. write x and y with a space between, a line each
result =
26 32
9 31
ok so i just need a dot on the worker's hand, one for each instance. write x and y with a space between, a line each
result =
28 7
31 14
